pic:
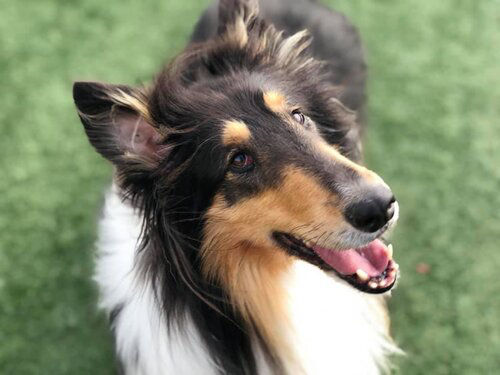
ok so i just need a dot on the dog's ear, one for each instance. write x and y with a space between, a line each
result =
118 125
231 10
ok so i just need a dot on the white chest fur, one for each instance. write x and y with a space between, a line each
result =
336 330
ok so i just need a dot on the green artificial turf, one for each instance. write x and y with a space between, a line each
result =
434 106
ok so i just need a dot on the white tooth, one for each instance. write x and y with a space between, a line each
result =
362 274
395 266
389 251
382 284
373 284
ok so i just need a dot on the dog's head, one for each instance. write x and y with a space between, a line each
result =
242 146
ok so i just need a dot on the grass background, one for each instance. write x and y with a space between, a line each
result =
434 131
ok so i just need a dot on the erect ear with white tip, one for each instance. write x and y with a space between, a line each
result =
229 10
116 120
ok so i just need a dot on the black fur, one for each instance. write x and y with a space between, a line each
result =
212 81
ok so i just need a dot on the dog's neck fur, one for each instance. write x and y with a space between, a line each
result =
324 325
258 291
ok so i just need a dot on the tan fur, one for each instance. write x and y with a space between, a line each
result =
238 250
136 103
361 170
275 101
235 132
238 32
295 206
293 46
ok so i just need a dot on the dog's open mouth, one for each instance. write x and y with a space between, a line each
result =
369 268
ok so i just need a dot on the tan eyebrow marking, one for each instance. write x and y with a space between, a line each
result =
235 132
275 101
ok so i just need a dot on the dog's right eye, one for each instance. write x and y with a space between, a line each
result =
241 162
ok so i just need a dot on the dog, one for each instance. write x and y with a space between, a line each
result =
242 234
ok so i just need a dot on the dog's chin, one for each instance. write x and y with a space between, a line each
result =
369 268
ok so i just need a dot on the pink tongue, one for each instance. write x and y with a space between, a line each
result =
372 259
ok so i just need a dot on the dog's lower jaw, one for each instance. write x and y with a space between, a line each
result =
333 328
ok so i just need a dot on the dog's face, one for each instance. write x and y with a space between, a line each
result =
281 187
260 162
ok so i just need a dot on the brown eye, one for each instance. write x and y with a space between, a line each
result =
299 117
242 162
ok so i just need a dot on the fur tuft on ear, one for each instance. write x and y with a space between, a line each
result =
117 122
230 11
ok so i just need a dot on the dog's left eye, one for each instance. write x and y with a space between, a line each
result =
241 162
299 117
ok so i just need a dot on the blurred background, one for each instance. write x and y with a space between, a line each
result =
434 109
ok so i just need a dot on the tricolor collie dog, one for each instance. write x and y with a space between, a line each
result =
241 234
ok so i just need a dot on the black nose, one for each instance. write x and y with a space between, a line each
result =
372 211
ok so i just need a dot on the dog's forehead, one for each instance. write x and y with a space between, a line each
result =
245 114
244 93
